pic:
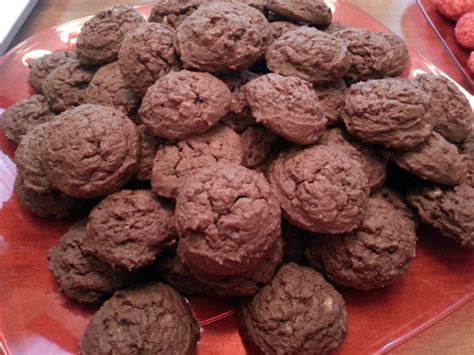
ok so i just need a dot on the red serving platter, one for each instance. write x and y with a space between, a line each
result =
35 318
444 29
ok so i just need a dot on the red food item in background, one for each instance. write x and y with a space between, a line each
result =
464 31
470 63
454 9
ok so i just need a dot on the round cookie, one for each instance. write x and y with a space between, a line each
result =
435 160
48 204
65 86
287 106
172 12
390 112
184 103
376 254
396 200
281 27
451 112
228 218
257 145
90 151
149 146
147 319
109 88
174 162
147 54
370 54
80 276
298 312
129 229
331 98
321 189
221 37
101 36
24 115
374 166
41 67
449 211
399 54
309 54
314 12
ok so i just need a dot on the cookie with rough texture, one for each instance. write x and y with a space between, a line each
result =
448 210
41 67
451 112
435 160
228 218
287 106
376 254
314 12
331 98
129 229
391 112
147 54
370 54
172 12
24 115
101 36
298 312
321 189
174 162
220 37
258 144
48 204
109 88
184 103
90 151
65 86
79 275
309 54
399 54
149 145
147 319
393 197
374 166
281 27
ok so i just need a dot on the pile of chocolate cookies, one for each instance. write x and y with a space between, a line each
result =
248 148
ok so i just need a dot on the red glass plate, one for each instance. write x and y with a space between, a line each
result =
35 318
444 29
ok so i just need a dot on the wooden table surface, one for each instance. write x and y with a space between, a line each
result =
455 334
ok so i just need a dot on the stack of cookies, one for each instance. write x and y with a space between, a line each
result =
244 148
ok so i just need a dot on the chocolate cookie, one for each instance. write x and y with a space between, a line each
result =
65 86
90 151
149 146
174 162
448 210
370 54
184 103
79 275
321 189
376 254
129 229
221 37
374 166
451 112
109 88
331 98
309 54
101 36
21 117
396 200
314 12
399 54
435 160
297 313
258 144
390 112
287 106
149 319
48 204
41 67
147 53
281 27
228 218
